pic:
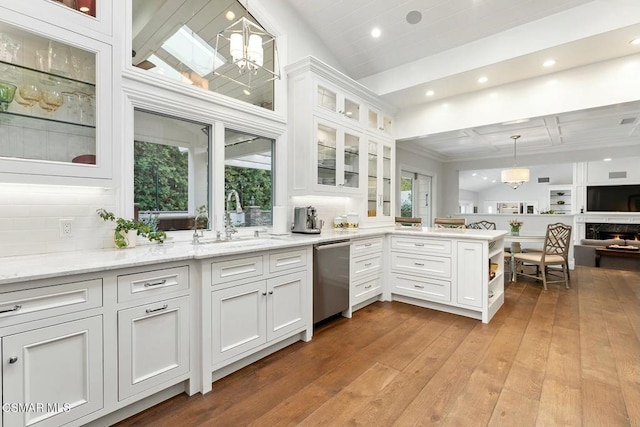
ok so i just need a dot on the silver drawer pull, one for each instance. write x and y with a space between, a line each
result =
367 264
368 286
419 286
419 244
9 310
421 264
366 245
13 359
153 310
158 283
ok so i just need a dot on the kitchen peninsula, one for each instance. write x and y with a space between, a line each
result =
200 312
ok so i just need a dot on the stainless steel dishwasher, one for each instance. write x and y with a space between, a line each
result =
330 279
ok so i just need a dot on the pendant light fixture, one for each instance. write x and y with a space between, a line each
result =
244 44
515 176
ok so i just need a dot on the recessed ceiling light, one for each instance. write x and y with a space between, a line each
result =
246 92
414 17
474 174
430 93
483 79
635 41
375 33
484 177
608 159
230 15
493 181
549 63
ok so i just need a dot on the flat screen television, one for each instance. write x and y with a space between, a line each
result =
613 198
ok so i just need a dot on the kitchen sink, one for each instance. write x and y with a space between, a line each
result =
240 241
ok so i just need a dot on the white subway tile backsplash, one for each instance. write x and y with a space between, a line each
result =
30 215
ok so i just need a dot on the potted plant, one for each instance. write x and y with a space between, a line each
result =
515 225
124 228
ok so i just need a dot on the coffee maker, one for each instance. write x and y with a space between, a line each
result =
306 221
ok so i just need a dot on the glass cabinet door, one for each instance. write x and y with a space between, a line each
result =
386 180
327 154
372 178
351 160
351 109
327 98
47 99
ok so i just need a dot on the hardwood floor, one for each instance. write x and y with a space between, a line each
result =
560 357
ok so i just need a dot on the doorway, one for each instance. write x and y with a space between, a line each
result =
415 196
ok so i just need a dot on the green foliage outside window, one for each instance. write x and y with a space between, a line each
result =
161 178
251 184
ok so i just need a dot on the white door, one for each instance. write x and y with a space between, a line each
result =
59 368
238 316
285 304
153 345
415 196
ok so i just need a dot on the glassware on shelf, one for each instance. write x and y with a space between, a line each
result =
87 108
51 100
59 55
28 95
8 48
7 92
70 110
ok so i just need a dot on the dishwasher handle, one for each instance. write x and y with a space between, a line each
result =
331 245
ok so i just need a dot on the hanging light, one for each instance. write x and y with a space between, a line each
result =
247 43
515 176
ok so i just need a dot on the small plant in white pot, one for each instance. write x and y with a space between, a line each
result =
123 227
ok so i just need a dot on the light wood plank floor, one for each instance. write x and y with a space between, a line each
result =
560 357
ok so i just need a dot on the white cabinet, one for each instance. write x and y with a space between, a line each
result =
328 123
561 199
461 276
337 157
380 187
58 121
154 335
366 271
269 301
57 367
153 345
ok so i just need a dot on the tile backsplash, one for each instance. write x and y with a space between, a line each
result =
30 218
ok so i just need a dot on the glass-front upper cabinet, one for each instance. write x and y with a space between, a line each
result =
334 102
51 105
380 183
379 122
338 157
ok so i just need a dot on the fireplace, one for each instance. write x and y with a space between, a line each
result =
604 231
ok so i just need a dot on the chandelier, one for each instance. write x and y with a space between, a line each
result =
250 53
515 176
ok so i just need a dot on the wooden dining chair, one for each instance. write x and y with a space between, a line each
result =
482 225
555 252
449 222
402 221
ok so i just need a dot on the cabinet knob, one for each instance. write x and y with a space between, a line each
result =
270 292
13 359
264 293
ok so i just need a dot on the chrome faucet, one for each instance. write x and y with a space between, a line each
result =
229 229
196 237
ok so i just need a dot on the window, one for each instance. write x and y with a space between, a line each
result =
249 171
171 170
178 40
415 196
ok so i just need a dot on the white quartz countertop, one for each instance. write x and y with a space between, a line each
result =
33 267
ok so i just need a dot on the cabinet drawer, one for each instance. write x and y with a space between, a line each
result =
365 246
47 301
287 260
236 269
364 289
419 287
146 284
366 264
421 264
421 245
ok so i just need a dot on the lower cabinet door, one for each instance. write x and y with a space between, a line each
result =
238 315
153 345
285 304
52 375
472 268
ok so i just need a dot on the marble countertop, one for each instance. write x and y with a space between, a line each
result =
33 267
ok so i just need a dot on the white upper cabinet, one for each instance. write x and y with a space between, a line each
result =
328 124
379 122
55 107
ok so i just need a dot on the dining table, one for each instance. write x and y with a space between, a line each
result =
517 239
